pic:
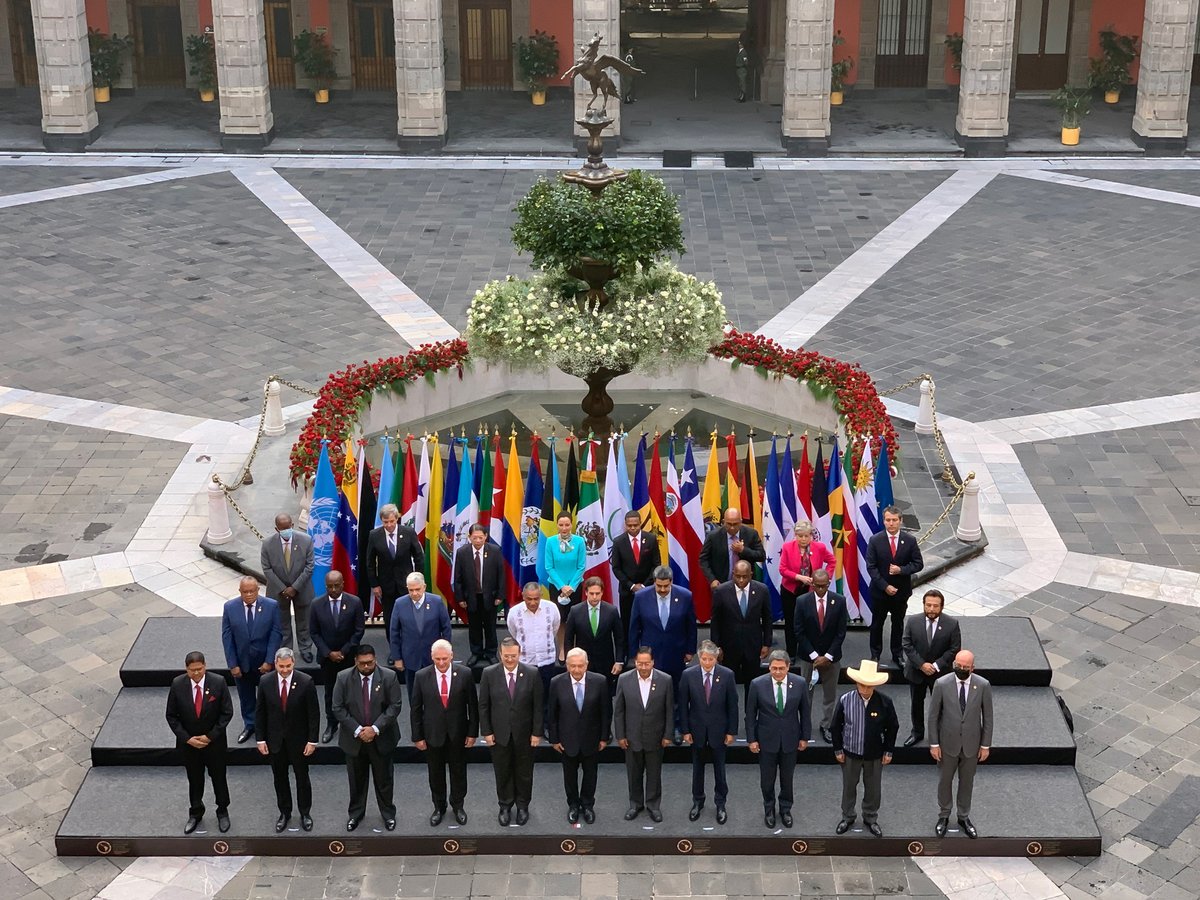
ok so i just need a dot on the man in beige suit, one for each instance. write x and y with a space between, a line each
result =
960 736
643 714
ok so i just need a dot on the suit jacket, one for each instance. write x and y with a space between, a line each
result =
881 728
579 731
216 710
644 727
451 724
947 641
714 555
879 557
515 720
741 638
633 576
819 557
384 709
280 575
669 644
341 634
708 722
388 573
564 569
464 584
960 733
249 649
412 640
604 649
810 637
775 732
287 729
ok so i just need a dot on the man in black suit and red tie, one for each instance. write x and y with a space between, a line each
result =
596 627
198 710
445 723
741 623
893 558
821 619
579 717
931 641
393 552
510 720
336 624
478 576
634 557
286 721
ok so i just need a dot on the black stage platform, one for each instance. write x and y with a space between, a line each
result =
1007 649
1025 811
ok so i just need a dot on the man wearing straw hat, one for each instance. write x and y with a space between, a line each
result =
864 739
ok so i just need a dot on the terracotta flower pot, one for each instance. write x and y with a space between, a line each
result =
835 98
101 93
1070 136
1112 96
207 95
321 95
539 98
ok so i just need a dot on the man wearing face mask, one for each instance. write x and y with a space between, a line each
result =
960 737
287 565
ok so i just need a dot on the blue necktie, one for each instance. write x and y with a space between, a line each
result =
664 610
579 695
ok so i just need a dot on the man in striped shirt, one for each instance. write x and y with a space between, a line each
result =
535 626
864 738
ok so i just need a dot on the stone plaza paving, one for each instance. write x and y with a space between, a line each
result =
147 298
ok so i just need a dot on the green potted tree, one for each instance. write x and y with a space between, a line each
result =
202 56
1073 103
537 61
1110 72
106 52
838 72
316 60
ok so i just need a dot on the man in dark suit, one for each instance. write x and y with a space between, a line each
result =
286 558
931 641
708 712
366 703
510 720
478 575
960 737
393 551
634 557
198 710
893 558
643 713
445 723
726 545
579 714
821 618
337 623
417 621
286 722
741 623
250 635
664 620
596 627
864 741
778 725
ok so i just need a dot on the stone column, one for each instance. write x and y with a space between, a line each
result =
1160 120
64 64
591 16
809 55
420 77
247 124
981 127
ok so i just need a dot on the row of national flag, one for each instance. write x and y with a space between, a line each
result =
440 498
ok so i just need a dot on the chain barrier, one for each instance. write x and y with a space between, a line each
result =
245 477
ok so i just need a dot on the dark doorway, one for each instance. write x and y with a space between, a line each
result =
158 44
373 46
1043 34
24 51
281 68
902 48
485 27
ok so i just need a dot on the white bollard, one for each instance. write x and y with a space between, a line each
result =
305 503
925 410
273 417
219 531
969 529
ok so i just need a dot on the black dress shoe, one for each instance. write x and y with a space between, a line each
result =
282 822
435 817
328 733
246 734
968 827
573 815
722 816
306 821
307 657
769 819
191 824
874 828
522 815
913 739
222 821
460 815
632 813
352 823
505 816
843 826
473 661
786 819
655 815
589 816
827 735
389 824
940 828
896 664
695 812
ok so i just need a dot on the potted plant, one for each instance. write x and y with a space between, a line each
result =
537 61
315 58
202 55
1073 103
106 52
838 72
1110 73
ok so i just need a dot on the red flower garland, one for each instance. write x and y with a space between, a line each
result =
346 392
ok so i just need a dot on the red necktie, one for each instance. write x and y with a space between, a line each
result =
893 538
199 700
283 695
821 613
445 691
636 544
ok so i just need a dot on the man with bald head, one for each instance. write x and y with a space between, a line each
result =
287 564
250 635
960 736
726 545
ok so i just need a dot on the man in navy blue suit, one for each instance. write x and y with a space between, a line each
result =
778 724
336 623
251 634
708 712
416 623
664 620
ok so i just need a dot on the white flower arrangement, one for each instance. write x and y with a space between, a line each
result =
654 318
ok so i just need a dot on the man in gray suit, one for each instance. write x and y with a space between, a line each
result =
643 716
960 736
366 703
287 564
